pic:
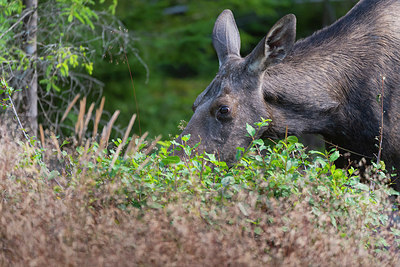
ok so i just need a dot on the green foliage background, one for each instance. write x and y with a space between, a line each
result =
179 60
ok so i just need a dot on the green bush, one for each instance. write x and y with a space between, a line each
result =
280 204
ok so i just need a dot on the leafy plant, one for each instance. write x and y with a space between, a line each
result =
64 59
275 195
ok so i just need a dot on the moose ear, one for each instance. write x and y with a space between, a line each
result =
274 47
226 38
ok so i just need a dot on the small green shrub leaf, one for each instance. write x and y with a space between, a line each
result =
243 209
292 139
171 160
258 230
250 129
334 156
362 187
186 138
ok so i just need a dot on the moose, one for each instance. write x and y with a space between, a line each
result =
342 82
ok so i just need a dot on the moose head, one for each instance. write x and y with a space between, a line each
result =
236 95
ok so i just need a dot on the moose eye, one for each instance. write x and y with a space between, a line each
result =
224 110
221 112
224 113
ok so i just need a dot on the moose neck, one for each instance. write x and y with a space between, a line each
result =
321 82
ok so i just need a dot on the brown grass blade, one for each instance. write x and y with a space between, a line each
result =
79 122
107 132
69 107
56 144
128 130
99 111
132 147
41 134
119 148
152 145
142 165
87 119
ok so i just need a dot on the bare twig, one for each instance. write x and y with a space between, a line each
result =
378 158
17 22
19 121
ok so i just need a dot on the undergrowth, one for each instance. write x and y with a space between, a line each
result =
88 201
132 202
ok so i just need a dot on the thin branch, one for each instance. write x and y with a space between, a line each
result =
19 121
378 158
17 22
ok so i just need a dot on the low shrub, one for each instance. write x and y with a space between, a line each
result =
133 203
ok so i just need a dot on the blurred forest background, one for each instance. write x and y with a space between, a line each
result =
178 60
166 42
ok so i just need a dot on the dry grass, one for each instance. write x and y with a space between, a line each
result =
82 226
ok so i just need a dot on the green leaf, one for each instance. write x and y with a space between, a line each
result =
164 143
391 192
155 205
362 187
211 157
395 231
65 142
57 189
250 129
258 231
292 139
76 15
334 156
53 174
243 209
227 180
258 142
48 69
185 138
333 221
171 160
58 89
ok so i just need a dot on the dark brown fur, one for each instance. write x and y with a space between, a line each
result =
326 84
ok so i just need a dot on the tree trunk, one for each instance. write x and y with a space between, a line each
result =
30 49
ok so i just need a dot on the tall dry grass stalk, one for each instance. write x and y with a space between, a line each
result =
79 123
70 105
56 145
41 133
82 123
132 146
105 136
124 139
87 120
99 111
84 118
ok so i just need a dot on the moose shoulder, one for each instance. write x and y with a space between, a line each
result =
325 84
